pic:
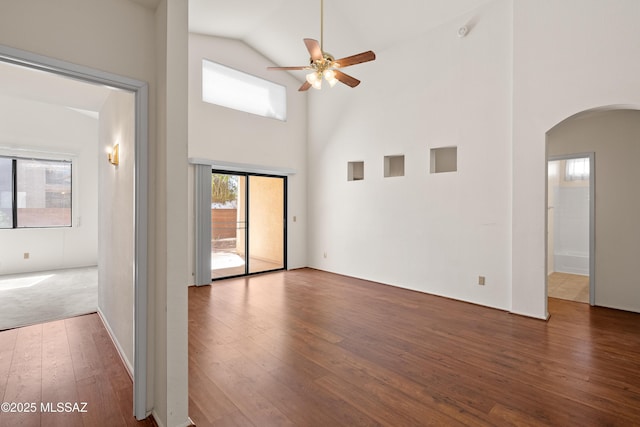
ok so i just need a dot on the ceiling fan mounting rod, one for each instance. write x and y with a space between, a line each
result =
322 25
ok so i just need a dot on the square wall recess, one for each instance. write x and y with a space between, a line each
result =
355 171
393 166
444 159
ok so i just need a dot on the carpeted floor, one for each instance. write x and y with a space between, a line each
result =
27 299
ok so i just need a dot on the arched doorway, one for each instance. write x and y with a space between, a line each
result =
612 135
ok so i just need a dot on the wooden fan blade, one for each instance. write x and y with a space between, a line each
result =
305 86
355 59
346 79
301 67
314 49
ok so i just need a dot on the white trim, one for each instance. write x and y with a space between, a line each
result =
530 315
203 224
116 343
141 90
156 418
63 68
242 167
28 153
141 200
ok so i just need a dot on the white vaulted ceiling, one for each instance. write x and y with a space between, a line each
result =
276 27
273 27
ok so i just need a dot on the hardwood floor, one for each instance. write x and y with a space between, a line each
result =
67 361
309 348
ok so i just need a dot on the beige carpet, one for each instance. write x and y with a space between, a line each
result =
27 299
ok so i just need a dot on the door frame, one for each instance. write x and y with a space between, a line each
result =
248 219
592 219
141 91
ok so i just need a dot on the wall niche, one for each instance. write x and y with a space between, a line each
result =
444 159
393 166
355 171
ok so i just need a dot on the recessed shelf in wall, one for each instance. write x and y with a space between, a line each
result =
393 166
444 159
355 171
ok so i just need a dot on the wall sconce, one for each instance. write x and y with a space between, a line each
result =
114 155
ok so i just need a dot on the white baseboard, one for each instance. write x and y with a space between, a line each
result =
125 361
187 423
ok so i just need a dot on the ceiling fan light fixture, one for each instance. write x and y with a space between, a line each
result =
324 65
312 77
315 79
330 77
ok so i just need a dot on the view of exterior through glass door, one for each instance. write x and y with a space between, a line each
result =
248 227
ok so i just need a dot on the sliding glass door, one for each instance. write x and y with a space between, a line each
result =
248 224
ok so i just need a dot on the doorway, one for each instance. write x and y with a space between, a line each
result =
55 196
136 329
570 228
248 223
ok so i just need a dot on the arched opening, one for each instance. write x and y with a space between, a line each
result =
610 136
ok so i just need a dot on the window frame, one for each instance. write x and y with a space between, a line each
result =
14 191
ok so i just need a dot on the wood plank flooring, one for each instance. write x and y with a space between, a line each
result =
309 348
72 360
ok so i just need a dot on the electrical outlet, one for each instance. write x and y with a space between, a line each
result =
481 280
26 255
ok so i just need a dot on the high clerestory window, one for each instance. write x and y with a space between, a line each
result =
234 89
34 193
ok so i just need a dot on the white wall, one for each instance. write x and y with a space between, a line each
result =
171 233
40 130
222 134
434 233
614 137
569 57
116 217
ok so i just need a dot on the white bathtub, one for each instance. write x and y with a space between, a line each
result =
574 263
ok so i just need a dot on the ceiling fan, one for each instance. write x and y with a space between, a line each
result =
323 64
